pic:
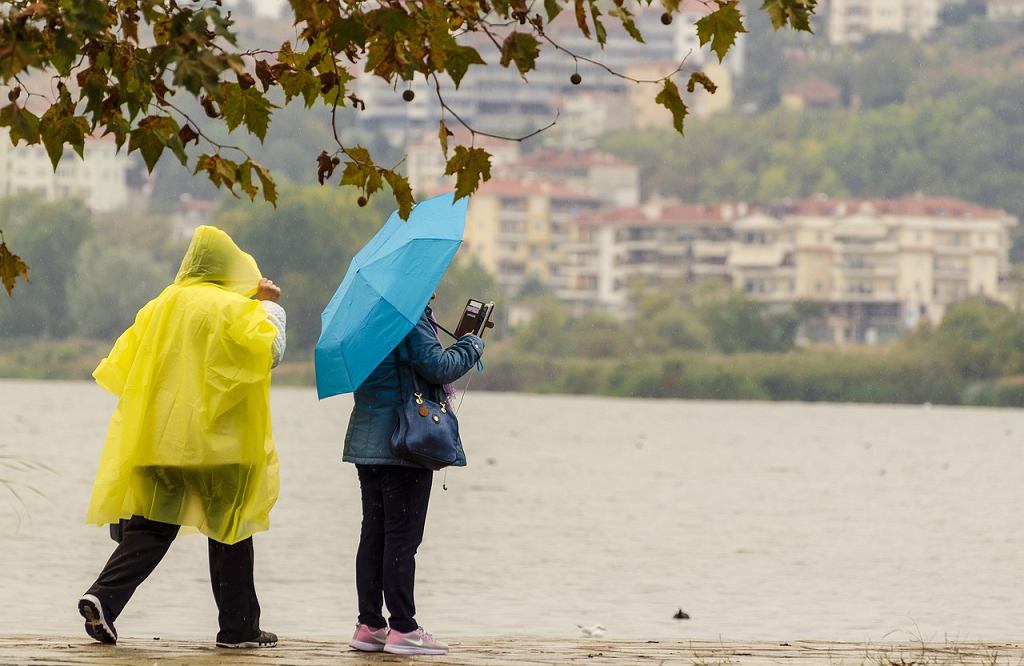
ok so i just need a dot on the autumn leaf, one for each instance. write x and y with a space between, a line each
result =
458 61
442 134
22 124
119 127
220 170
795 13
403 193
468 165
599 30
152 136
11 268
522 48
701 79
553 8
265 73
325 164
245 179
361 172
58 128
720 27
187 134
628 23
300 83
248 106
670 99
581 18
267 183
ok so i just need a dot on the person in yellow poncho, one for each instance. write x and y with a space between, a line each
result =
190 443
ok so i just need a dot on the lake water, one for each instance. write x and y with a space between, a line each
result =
762 521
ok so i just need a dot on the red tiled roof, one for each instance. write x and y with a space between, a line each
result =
525 187
915 205
817 91
664 213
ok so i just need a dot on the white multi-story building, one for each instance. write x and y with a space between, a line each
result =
851 21
664 242
99 180
878 266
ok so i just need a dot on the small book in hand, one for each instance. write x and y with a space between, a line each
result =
476 318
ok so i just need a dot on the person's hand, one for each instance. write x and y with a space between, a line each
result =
268 291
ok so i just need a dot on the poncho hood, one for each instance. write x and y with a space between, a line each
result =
214 258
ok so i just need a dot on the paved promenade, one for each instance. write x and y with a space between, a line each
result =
74 651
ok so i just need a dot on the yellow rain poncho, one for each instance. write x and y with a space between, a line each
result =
190 441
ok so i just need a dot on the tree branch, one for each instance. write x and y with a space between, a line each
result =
577 57
216 144
474 132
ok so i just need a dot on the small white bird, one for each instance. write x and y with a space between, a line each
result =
596 631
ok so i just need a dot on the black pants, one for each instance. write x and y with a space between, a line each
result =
143 546
394 512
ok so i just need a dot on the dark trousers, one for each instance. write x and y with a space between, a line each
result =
144 544
394 512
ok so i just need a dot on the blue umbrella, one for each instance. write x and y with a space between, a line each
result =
386 288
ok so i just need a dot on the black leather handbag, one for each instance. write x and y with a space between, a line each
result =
428 432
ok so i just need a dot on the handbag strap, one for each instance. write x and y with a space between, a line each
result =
407 366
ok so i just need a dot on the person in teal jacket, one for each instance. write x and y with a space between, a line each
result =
395 493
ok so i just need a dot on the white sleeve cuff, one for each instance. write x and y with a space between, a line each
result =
279 319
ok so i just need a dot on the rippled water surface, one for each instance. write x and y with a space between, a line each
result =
763 521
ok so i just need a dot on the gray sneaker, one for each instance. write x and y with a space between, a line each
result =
413 642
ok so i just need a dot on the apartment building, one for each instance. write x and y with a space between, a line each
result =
521 229
664 242
887 265
99 180
852 21
879 266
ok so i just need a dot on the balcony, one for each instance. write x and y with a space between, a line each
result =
867 270
710 249
952 273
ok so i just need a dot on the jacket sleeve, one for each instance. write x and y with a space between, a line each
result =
436 364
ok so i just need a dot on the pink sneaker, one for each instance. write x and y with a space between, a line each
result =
369 640
414 642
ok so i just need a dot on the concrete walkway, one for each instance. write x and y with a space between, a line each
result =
72 651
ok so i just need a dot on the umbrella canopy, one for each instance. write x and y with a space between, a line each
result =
384 292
